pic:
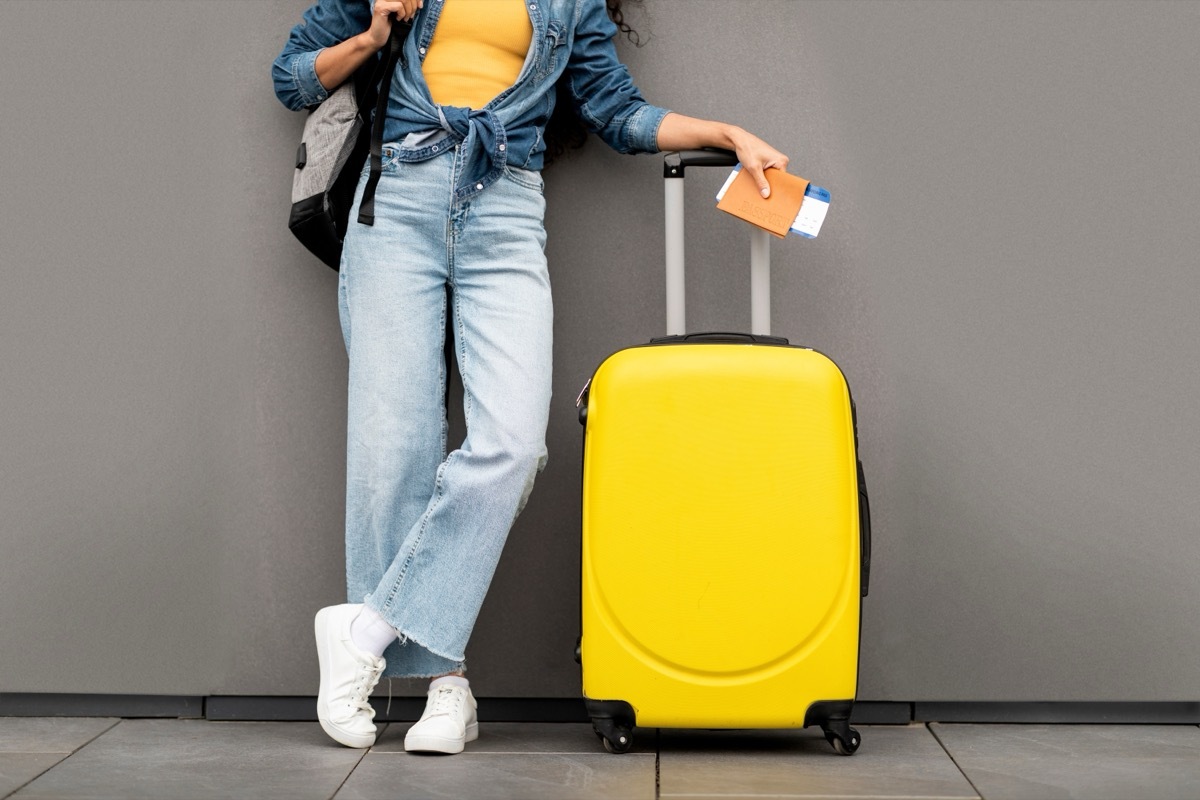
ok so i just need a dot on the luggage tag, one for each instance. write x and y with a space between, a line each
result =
812 210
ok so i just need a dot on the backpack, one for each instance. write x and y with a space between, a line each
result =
335 145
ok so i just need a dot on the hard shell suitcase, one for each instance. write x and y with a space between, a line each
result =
726 531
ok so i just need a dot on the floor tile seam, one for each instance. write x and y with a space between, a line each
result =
519 753
13 793
350 771
954 761
657 763
65 755
113 722
827 797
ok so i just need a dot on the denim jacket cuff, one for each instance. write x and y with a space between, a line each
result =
642 129
304 74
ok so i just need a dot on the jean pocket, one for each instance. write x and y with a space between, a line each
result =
389 159
530 179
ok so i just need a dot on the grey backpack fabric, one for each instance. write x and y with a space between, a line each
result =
330 134
335 145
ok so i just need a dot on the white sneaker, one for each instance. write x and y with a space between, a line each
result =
347 677
448 723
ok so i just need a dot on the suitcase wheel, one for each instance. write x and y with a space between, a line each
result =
620 741
845 740
613 721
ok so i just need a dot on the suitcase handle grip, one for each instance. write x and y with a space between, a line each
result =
675 163
720 336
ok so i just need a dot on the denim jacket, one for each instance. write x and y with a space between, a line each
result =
572 40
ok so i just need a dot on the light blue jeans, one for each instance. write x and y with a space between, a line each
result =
424 528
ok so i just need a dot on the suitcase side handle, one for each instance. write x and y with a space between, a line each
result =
864 531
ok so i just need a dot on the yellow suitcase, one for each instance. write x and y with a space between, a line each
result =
725 539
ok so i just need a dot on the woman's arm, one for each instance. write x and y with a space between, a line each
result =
342 35
609 104
337 63
678 132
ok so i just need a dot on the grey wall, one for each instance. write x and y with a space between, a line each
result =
1007 276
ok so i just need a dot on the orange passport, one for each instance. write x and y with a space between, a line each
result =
775 213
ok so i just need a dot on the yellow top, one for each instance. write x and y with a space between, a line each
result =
477 51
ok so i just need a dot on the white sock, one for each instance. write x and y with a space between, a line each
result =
450 680
370 632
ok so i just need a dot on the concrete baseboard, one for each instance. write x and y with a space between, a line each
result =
534 709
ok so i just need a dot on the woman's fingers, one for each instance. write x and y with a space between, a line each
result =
381 18
411 7
403 9
757 157
758 172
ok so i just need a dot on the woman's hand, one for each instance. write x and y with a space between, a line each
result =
335 64
678 132
381 18
757 157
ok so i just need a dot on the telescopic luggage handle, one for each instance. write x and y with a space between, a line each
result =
675 165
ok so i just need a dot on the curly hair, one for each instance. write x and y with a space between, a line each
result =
565 131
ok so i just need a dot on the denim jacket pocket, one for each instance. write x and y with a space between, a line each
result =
556 37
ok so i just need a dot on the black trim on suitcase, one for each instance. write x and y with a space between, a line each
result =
720 337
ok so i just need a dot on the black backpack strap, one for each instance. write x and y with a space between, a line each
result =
400 29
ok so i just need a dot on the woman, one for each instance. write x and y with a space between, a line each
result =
459 206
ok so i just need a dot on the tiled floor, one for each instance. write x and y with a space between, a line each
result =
74 759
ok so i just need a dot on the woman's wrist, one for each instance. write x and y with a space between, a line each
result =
335 64
679 132
736 136
363 46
